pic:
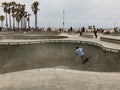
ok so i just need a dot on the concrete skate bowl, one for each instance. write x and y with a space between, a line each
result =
57 54
27 37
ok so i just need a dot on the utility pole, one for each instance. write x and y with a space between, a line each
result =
114 24
63 19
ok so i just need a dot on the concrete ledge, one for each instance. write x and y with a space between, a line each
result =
30 37
115 34
112 40
0 37
87 36
56 41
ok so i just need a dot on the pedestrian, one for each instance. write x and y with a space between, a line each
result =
95 31
0 28
80 33
79 52
71 29
83 29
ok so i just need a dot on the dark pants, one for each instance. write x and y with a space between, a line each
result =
83 58
95 33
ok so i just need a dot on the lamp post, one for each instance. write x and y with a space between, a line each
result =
63 19
114 24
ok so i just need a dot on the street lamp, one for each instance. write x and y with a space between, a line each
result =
63 19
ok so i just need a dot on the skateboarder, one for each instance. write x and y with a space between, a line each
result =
79 52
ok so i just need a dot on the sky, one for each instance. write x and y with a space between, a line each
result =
78 13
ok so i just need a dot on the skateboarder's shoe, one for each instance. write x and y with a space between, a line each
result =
85 61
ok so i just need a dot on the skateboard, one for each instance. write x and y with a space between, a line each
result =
85 60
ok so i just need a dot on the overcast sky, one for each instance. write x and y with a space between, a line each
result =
102 13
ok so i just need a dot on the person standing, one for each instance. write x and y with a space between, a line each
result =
95 31
71 29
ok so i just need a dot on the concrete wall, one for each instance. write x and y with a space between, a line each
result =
112 40
27 37
87 35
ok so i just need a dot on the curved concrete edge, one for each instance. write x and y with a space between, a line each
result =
33 71
59 79
31 37
108 39
49 41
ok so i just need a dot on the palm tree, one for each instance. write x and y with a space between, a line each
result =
21 13
25 19
13 8
2 18
35 9
9 12
18 14
5 6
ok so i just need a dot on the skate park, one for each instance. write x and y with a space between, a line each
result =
38 40
51 64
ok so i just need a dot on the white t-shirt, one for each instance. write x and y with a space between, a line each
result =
79 52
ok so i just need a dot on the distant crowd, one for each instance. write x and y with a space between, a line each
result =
69 30
93 29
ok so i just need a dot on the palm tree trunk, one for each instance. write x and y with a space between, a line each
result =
2 24
6 22
16 23
24 23
18 26
28 24
36 21
21 23
13 23
10 21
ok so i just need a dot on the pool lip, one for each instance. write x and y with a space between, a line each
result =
57 41
31 37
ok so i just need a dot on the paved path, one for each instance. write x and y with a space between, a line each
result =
61 79
105 44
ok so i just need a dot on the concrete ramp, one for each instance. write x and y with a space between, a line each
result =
56 55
